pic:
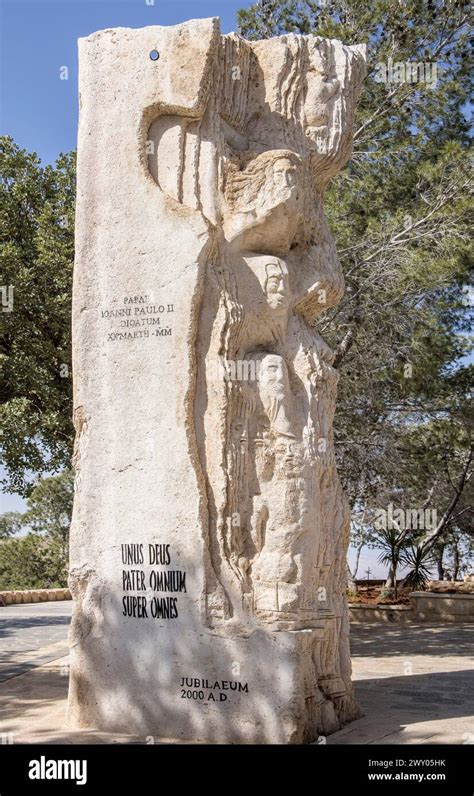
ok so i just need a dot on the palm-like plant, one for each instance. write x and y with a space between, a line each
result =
390 540
419 563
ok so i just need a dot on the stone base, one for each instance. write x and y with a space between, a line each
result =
258 689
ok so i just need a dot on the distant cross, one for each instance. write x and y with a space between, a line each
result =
368 570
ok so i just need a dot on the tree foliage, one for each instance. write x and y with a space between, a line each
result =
32 562
36 259
39 558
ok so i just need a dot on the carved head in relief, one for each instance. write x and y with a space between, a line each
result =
275 393
263 201
322 90
273 377
269 178
264 289
277 285
283 179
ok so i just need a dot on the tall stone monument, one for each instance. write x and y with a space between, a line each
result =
209 533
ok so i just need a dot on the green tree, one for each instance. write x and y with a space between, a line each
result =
49 507
390 541
32 562
38 559
36 259
10 524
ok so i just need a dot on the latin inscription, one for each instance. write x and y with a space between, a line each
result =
144 571
203 690
138 318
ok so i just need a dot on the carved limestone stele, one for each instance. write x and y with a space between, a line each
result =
209 531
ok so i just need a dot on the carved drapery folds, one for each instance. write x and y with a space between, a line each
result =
274 127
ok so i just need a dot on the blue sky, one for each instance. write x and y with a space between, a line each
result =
38 109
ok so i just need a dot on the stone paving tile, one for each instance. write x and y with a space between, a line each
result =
415 686
29 633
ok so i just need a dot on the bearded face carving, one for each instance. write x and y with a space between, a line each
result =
264 202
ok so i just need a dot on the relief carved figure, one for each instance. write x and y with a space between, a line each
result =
264 202
256 164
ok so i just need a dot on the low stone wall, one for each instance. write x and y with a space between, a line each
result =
443 607
450 586
380 613
33 596
424 607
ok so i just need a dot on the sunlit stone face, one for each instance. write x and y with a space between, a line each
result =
277 287
322 87
208 520
273 377
285 179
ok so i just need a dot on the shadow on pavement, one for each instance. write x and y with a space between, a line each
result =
385 640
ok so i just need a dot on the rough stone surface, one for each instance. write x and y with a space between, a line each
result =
381 613
209 529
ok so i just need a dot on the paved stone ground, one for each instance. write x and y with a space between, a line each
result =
27 633
415 682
